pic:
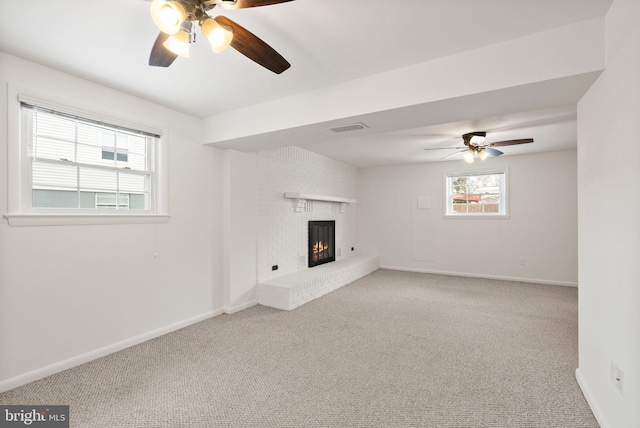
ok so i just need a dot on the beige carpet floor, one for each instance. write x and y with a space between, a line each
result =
393 349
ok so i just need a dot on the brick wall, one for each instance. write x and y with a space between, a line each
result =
281 232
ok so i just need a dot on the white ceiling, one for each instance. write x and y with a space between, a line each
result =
326 41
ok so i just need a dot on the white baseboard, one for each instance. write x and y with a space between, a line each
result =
479 275
590 400
34 375
241 307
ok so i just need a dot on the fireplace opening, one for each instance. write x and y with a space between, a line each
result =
322 242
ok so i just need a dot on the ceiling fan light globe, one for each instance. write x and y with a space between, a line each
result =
168 15
178 44
483 154
477 140
219 35
469 156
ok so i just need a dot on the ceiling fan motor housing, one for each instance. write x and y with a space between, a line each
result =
467 138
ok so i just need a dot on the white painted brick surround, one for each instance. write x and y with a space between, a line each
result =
290 291
282 232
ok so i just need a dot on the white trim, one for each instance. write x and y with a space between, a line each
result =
19 212
505 214
476 216
241 307
66 219
480 275
590 400
49 370
62 107
292 195
300 200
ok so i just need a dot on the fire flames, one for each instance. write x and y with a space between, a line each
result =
318 249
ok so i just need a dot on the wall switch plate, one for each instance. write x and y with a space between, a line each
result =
523 261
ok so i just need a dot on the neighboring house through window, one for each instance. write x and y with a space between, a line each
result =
73 160
75 164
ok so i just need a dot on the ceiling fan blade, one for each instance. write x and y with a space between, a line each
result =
242 4
161 56
446 148
493 152
253 47
453 154
511 142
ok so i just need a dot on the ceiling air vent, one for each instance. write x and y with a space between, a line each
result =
350 127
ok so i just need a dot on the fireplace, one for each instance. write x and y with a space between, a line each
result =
322 242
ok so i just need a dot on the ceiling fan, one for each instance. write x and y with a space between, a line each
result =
177 20
474 144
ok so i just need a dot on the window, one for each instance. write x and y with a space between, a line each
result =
476 194
69 168
119 151
66 167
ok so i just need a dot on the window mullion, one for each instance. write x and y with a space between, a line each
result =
78 198
75 160
117 188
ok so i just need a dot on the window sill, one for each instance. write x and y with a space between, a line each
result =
476 216
53 219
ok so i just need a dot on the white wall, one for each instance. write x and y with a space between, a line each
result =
542 226
239 230
70 293
609 230
281 232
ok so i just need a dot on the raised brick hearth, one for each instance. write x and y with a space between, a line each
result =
292 290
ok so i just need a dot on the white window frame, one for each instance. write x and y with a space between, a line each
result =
502 214
19 210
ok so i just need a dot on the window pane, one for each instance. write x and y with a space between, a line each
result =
132 183
99 160
88 200
88 134
46 148
476 194
90 154
135 162
98 179
137 144
54 176
138 201
122 141
54 199
52 126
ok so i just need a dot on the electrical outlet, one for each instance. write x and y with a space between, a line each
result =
523 261
274 267
617 375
